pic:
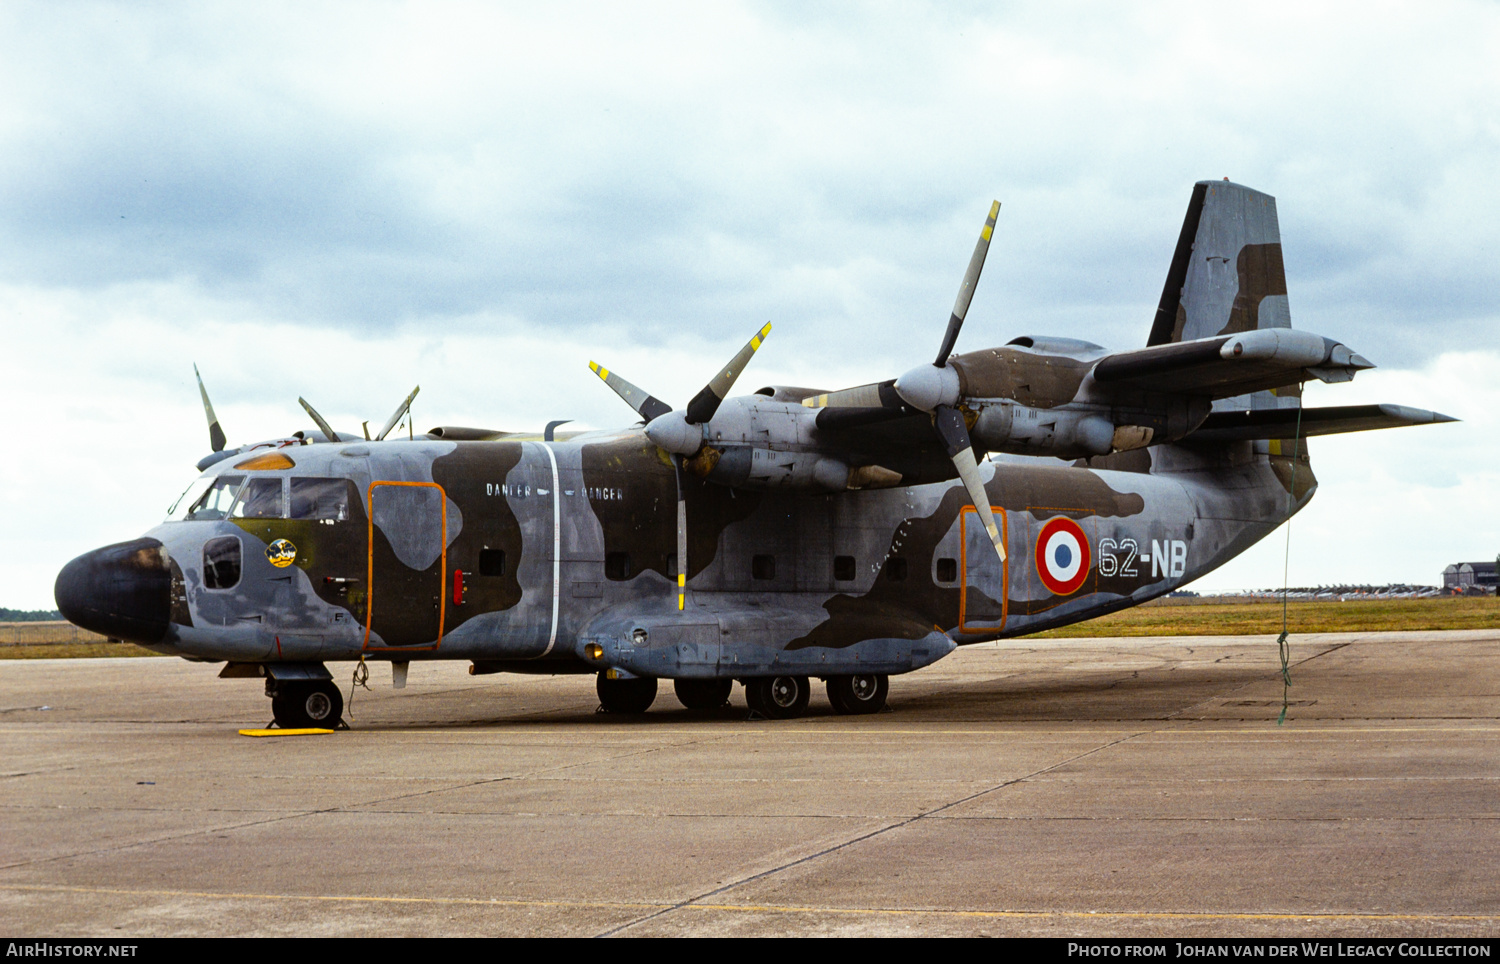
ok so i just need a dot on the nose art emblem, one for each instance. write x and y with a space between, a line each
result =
281 553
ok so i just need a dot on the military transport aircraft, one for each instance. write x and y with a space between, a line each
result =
771 538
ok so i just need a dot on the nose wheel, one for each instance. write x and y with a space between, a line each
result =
305 705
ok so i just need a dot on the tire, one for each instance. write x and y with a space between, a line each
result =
307 705
625 695
703 694
778 697
858 695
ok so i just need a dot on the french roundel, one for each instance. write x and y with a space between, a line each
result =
1062 556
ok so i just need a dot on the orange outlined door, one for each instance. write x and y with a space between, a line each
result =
408 565
986 580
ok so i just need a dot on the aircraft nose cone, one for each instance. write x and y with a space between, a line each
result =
123 591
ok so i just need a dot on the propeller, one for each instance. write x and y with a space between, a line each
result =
681 433
216 437
401 410
333 436
933 389
319 421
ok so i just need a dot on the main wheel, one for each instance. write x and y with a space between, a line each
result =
860 694
626 695
306 705
778 697
702 694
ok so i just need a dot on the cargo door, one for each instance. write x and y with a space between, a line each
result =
407 565
986 584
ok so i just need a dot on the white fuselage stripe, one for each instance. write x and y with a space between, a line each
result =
556 547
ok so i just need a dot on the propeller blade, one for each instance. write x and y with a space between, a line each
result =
318 420
682 567
950 425
876 395
401 410
645 404
966 290
215 433
706 403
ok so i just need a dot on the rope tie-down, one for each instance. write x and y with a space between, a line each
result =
1282 643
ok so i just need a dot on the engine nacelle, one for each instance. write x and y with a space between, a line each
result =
752 467
1064 433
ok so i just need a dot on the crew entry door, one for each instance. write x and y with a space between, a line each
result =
407 565
986 582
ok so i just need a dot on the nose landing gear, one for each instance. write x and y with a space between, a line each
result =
307 704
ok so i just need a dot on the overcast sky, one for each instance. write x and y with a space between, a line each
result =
342 201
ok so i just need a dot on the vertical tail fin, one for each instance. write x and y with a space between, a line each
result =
1226 277
1227 274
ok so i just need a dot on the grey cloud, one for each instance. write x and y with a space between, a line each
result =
568 200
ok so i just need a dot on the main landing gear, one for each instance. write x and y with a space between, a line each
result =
625 695
703 694
786 697
860 694
772 697
307 704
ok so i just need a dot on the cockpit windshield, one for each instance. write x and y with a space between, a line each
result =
261 499
217 494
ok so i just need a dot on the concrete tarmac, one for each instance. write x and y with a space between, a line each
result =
1089 787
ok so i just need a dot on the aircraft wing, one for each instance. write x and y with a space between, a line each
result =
1334 420
1228 365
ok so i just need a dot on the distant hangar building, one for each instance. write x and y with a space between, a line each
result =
1462 575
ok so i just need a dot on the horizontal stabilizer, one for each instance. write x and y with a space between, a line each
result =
1335 420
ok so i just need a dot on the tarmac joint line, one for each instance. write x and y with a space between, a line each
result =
757 908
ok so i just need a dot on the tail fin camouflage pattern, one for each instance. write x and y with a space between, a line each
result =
1227 277
1227 274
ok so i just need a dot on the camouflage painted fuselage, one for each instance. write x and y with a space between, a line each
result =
519 554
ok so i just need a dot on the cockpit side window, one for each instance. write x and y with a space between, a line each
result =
221 563
214 504
261 499
326 500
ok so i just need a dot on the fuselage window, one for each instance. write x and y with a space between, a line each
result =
323 499
617 565
221 563
843 568
492 562
214 504
895 569
261 499
763 567
947 570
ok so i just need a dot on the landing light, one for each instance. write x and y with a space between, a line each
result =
593 651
